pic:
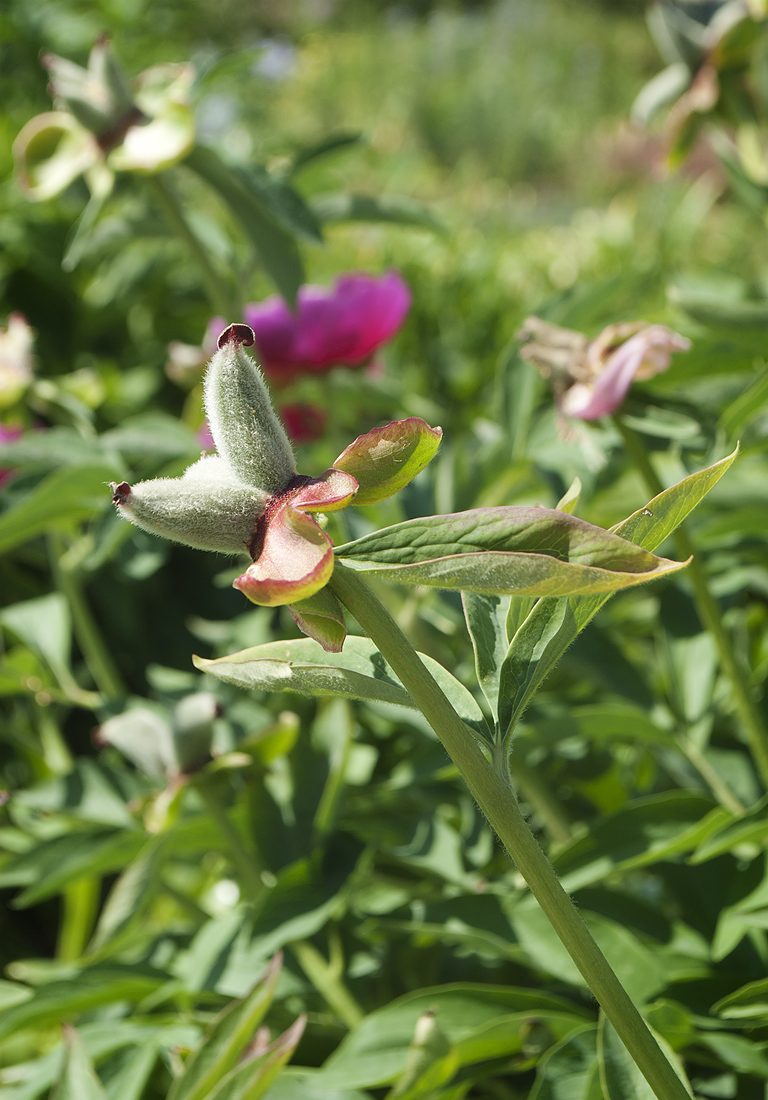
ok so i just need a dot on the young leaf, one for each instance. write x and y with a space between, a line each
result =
252 1078
231 1033
130 895
507 551
358 672
553 624
79 1080
486 617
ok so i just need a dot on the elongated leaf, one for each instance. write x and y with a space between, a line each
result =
64 497
486 617
358 672
44 624
130 895
226 1041
253 1077
79 1080
57 447
345 207
553 624
86 990
505 551
274 246
332 144
281 201
48 867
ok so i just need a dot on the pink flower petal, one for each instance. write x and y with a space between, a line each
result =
340 326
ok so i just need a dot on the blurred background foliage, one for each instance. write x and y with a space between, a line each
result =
165 834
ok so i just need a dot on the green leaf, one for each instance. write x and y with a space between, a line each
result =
345 207
57 447
324 148
62 499
253 1077
131 894
306 1084
748 1002
512 551
486 617
569 1070
553 624
645 831
79 1080
480 1021
751 828
275 247
131 1079
53 864
87 989
621 1078
358 672
227 1039
45 625
152 435
281 201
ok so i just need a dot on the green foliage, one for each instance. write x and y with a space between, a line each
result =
171 826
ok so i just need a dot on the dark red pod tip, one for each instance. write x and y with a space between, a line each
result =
121 492
237 334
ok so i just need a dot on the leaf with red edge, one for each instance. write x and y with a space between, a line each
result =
384 460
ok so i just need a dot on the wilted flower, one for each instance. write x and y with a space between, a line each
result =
591 379
340 326
15 359
105 124
249 497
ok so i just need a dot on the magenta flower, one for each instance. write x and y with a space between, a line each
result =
591 380
341 326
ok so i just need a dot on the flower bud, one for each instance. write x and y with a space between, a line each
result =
248 433
207 508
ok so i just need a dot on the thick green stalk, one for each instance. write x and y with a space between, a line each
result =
497 800
212 283
709 612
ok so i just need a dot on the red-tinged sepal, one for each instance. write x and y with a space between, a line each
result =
321 617
384 460
293 556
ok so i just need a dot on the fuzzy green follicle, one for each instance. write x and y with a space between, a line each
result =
208 508
248 433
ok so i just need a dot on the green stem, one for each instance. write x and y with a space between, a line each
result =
326 980
87 634
709 612
212 283
497 800
246 862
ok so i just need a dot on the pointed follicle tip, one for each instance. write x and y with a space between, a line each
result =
237 334
121 492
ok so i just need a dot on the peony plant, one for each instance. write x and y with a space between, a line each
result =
530 578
